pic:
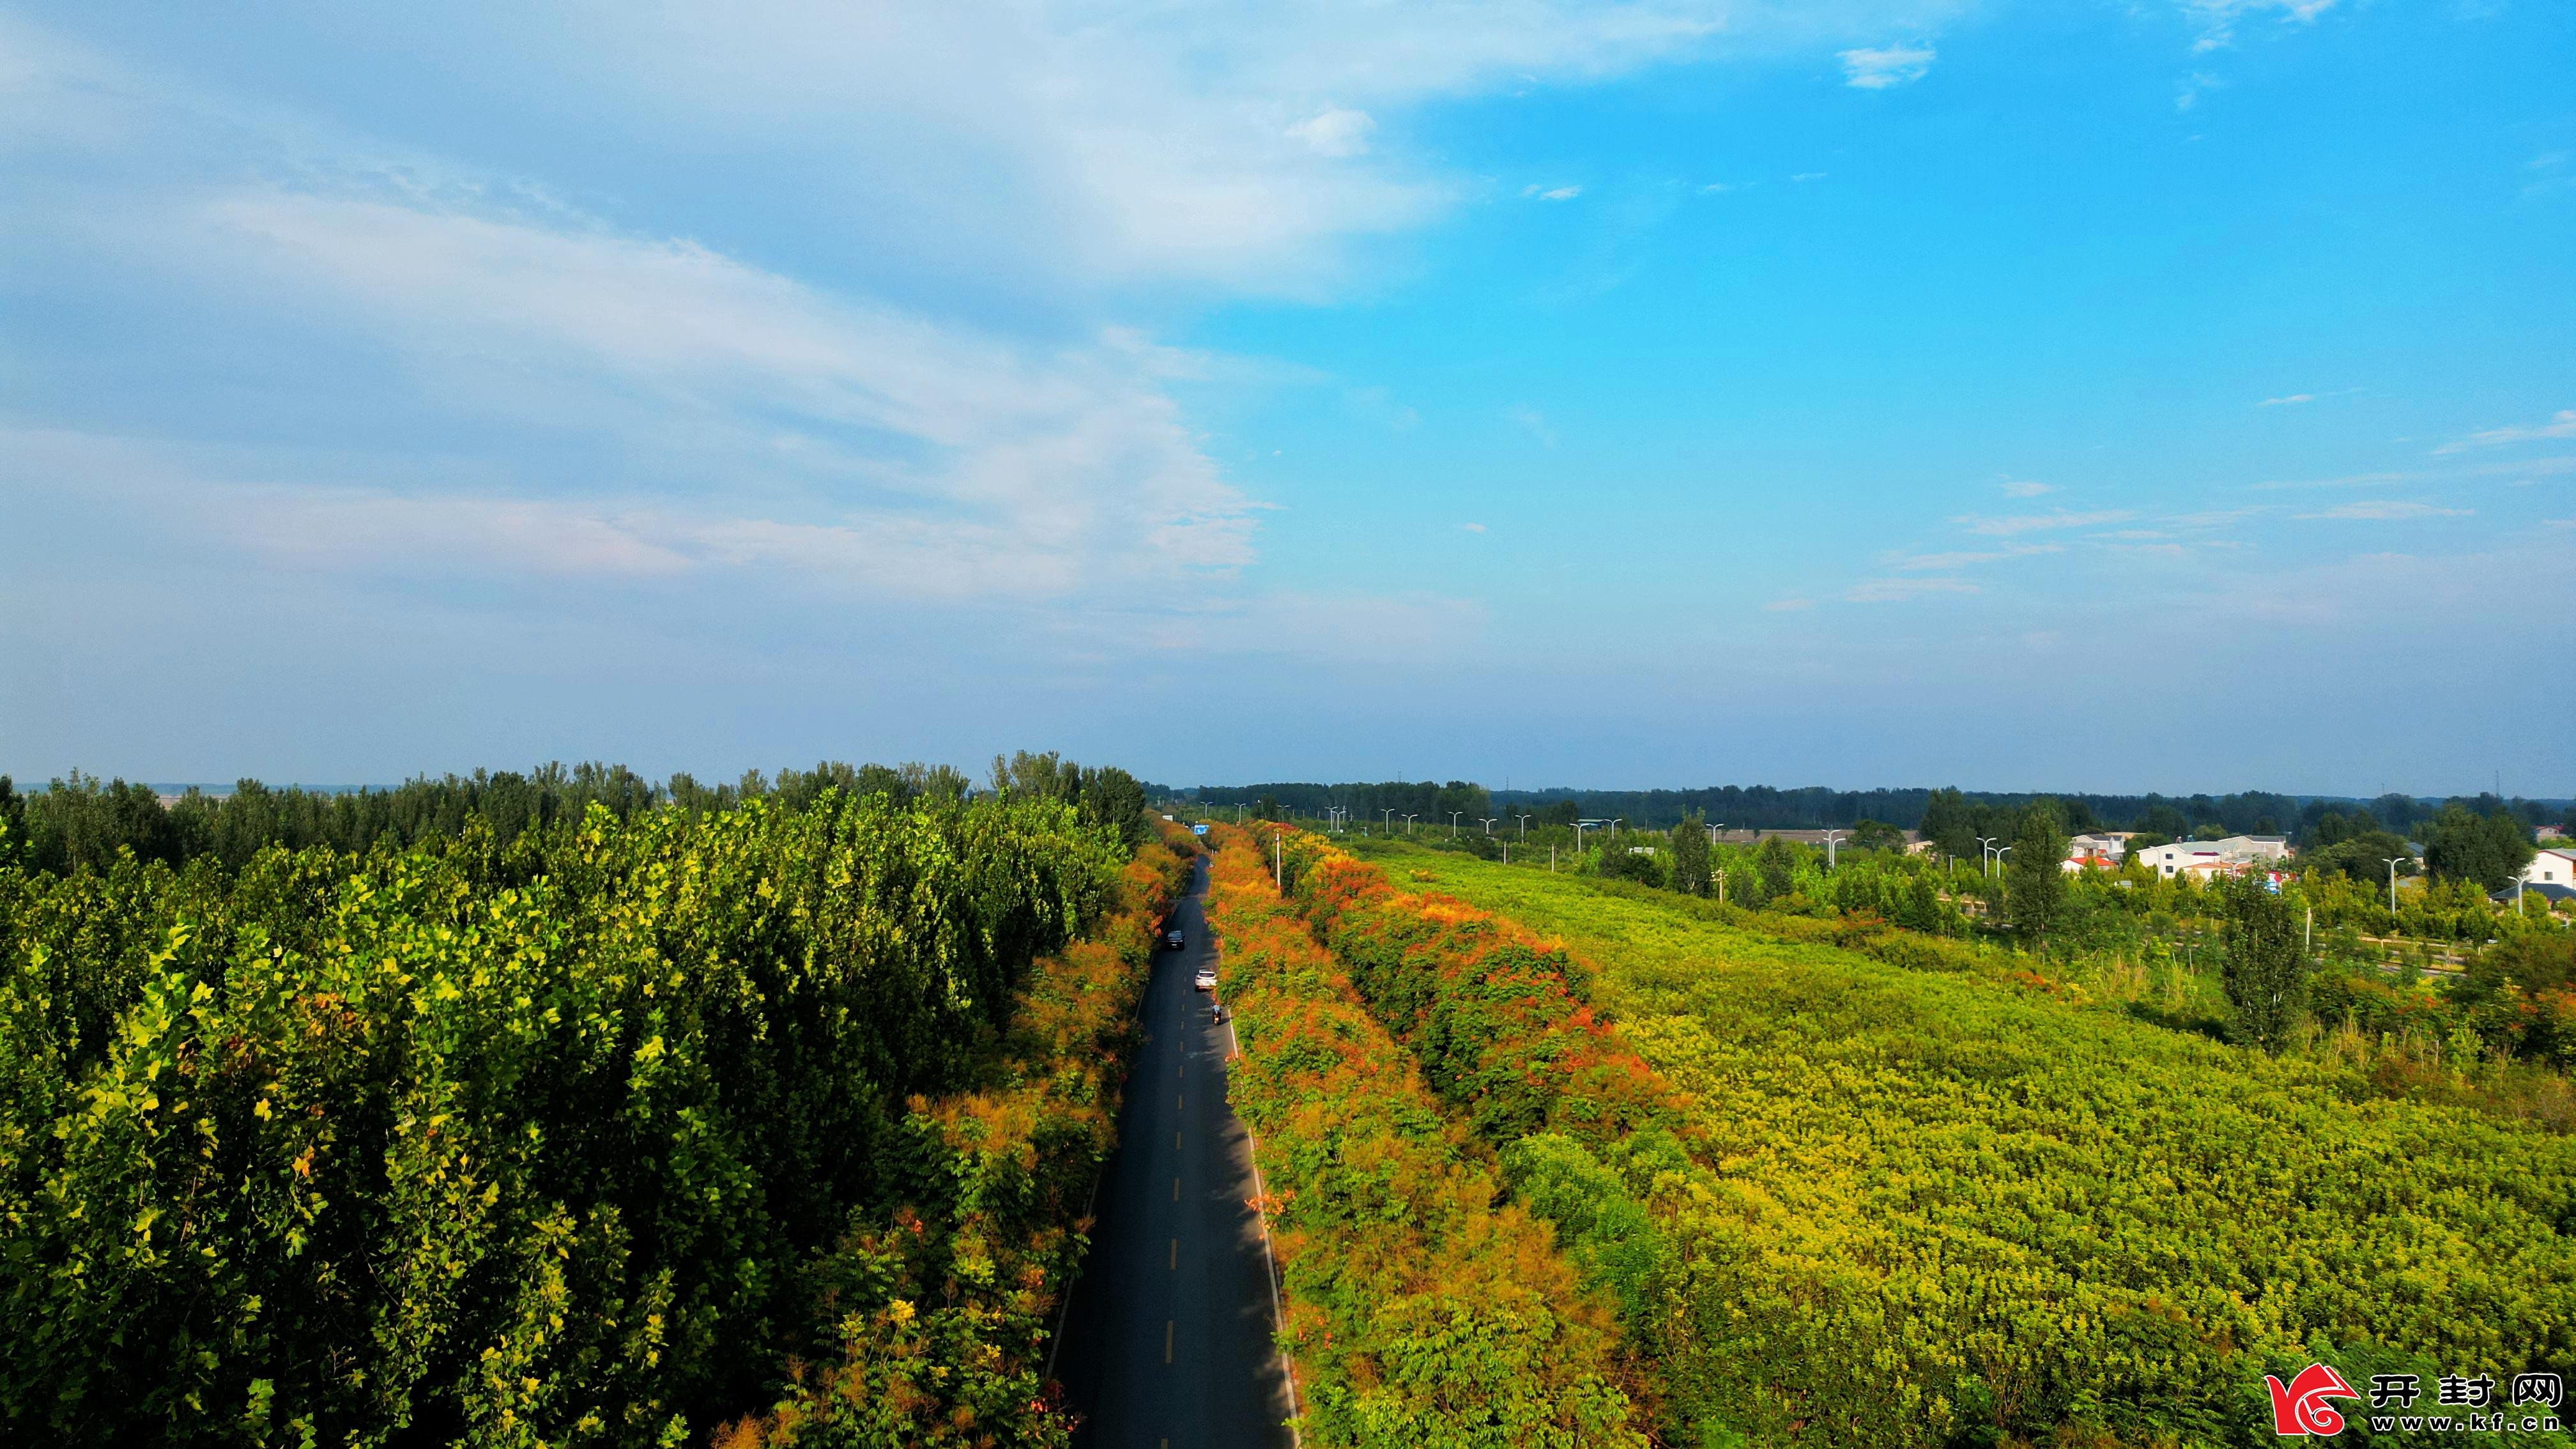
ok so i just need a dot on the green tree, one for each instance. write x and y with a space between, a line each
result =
2035 872
1949 823
2266 971
1876 835
1690 857
1775 869
2490 849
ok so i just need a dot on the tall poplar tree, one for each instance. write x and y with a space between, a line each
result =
1690 857
2035 871
2266 971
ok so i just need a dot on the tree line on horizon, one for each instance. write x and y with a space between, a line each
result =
1819 807
83 821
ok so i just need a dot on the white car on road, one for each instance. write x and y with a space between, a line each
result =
1206 980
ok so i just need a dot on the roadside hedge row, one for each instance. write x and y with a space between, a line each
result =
943 1310
1422 1312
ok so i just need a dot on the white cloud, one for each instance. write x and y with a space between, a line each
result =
2389 511
2042 522
1533 422
1177 140
2188 91
2216 20
1898 591
2290 401
1894 65
1943 562
1809 176
734 417
1472 527
1335 132
1553 193
2025 488
2560 425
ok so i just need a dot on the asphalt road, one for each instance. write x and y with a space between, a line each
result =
1167 1340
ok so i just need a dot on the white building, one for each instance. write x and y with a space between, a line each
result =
2096 852
2205 858
2555 866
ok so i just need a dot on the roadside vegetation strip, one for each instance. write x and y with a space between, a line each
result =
944 1310
578 1138
1421 1314
1930 1204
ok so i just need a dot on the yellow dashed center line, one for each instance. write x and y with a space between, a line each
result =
1176 1255
1167 1340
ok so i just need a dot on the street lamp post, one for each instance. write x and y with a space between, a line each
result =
1390 822
2391 861
1524 827
1831 836
1408 826
1721 886
1453 823
1985 850
1489 822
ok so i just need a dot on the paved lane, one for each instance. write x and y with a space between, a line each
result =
1168 1337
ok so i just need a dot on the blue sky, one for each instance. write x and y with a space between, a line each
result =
2171 394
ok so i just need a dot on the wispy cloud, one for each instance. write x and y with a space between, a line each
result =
1335 132
1532 422
2560 425
2216 20
1472 527
1809 175
1898 591
1894 65
2025 488
2042 522
1552 193
2389 510
2189 90
2296 398
1944 562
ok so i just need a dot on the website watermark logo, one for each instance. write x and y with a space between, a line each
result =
2300 1406
2304 1406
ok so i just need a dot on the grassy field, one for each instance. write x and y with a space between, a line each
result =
1940 1201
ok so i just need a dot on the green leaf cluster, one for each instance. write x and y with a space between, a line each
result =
555 1140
